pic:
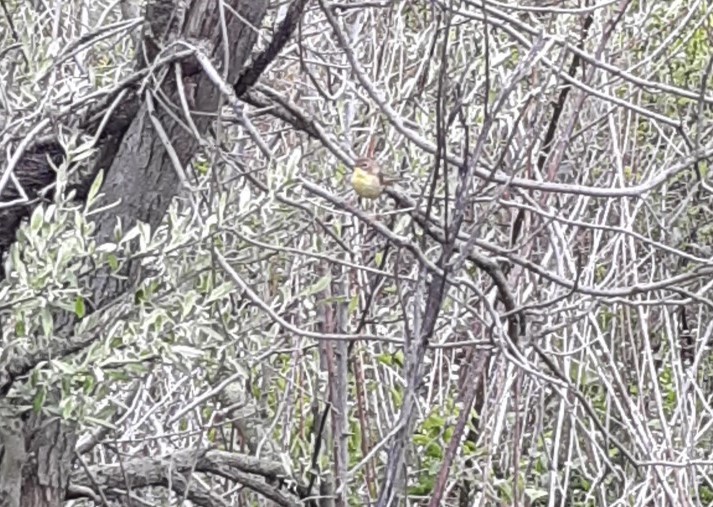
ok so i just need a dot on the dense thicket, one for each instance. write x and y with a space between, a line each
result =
195 305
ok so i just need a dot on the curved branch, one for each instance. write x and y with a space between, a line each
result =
260 63
164 470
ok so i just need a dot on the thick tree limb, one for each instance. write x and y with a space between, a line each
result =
260 63
160 471
144 179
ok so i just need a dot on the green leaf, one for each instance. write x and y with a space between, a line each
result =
144 236
318 287
37 219
424 487
140 296
35 377
220 292
88 384
434 421
79 308
188 304
211 334
385 358
505 490
185 351
131 234
107 247
67 407
63 367
535 494
399 358
39 399
96 186
433 450
353 304
82 152
47 323
18 266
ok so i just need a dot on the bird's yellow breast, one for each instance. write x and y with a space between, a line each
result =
366 185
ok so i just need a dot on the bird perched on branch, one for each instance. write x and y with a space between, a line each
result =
367 179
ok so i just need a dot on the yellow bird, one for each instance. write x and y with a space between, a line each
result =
367 179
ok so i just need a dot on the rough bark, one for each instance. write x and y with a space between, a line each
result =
141 175
49 460
12 457
177 469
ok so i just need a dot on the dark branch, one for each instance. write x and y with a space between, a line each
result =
161 471
260 63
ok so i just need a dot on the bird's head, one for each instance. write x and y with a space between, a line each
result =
367 164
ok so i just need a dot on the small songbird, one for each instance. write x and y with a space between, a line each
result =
367 179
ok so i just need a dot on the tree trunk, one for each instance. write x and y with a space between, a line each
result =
36 449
